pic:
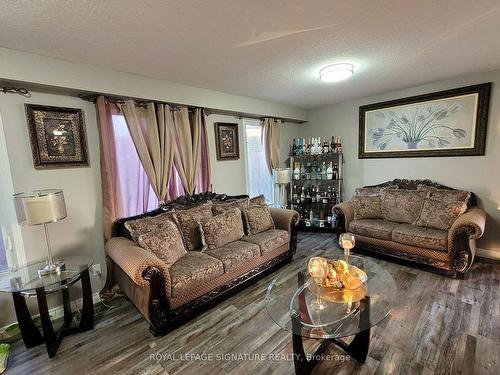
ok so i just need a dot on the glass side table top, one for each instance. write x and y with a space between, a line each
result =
26 279
291 299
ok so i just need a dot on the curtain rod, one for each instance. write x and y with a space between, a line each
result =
92 95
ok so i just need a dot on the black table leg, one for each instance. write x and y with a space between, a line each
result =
68 315
87 318
30 333
359 346
51 342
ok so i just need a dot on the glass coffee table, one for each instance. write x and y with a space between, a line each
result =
26 282
292 299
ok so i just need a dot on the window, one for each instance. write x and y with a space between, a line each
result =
259 180
136 194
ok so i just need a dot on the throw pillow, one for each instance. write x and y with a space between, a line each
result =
257 219
165 242
259 200
221 207
373 190
440 214
221 229
367 207
144 225
447 195
402 206
187 221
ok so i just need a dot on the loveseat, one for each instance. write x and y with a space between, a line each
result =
224 244
416 220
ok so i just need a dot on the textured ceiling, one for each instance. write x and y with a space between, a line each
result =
265 49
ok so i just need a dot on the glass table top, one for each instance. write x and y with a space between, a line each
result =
343 312
26 279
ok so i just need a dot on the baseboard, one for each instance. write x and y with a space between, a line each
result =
486 253
58 311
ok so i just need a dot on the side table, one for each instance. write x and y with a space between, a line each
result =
25 282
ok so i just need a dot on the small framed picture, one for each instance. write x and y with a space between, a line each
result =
57 135
227 143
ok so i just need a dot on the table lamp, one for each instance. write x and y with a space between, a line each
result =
41 207
282 178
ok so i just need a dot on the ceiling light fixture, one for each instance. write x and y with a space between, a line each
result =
336 72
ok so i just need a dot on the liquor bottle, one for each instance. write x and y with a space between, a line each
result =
318 171
296 172
308 196
294 148
313 195
334 196
335 172
323 171
294 194
308 170
308 147
311 216
329 217
339 145
297 199
302 171
329 171
333 146
313 170
326 147
318 194
303 195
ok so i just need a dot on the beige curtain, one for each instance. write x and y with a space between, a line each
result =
152 131
271 142
188 132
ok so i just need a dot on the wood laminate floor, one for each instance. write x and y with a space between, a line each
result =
438 325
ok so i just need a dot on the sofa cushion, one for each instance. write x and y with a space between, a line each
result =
259 200
192 270
221 229
440 214
402 206
421 237
268 240
221 207
165 242
377 228
366 207
257 219
187 221
146 224
373 190
235 254
447 195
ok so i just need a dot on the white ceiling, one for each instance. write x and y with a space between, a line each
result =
268 49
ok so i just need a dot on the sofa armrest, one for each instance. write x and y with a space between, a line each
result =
345 214
284 219
135 261
471 223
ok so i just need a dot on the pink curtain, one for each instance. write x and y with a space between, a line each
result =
125 187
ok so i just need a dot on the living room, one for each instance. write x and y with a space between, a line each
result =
249 187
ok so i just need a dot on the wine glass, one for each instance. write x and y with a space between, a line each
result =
347 242
318 269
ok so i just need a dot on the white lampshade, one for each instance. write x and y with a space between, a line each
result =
282 176
41 206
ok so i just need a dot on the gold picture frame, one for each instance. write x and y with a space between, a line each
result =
57 135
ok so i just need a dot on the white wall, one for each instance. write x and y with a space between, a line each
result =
81 231
480 174
228 176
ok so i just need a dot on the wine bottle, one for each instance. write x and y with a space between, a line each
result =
339 146
302 171
323 171
333 148
294 148
335 172
326 147
296 172
303 195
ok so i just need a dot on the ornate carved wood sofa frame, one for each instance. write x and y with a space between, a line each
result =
461 236
143 277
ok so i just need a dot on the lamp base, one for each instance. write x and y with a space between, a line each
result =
49 269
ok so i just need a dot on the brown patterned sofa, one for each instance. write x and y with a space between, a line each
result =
449 246
171 294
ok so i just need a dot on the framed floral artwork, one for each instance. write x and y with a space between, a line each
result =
57 135
445 123
227 141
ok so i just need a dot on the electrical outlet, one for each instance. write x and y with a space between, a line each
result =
96 270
